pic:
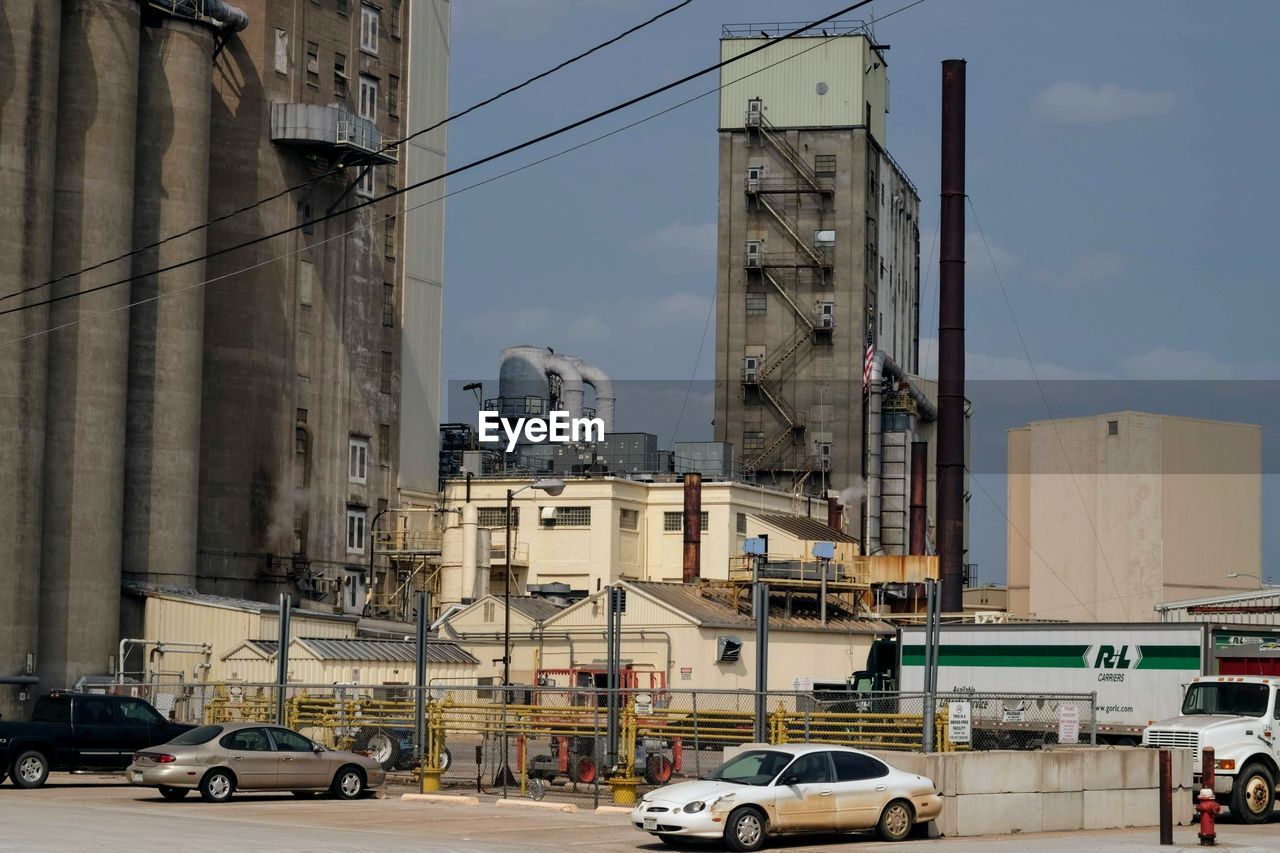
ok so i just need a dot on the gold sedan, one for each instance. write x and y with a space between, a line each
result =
219 760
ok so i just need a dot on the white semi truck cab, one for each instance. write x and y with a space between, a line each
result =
1239 716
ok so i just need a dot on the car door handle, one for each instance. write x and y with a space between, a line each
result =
880 787
286 758
825 793
237 758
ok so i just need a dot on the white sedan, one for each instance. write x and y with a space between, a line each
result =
786 789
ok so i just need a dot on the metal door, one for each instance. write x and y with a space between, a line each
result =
251 758
805 794
300 765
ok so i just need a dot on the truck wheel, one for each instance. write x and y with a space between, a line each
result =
1253 794
658 769
381 745
582 769
30 769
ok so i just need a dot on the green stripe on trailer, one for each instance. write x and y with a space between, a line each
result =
1004 656
1170 657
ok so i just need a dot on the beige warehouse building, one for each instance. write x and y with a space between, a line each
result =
1113 514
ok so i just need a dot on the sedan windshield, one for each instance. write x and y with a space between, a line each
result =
1241 700
757 767
197 736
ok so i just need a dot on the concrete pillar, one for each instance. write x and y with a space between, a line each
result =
88 361
171 193
28 103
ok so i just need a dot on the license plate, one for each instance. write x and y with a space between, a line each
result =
135 777
651 823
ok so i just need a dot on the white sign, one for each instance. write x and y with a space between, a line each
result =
559 428
959 722
800 684
1068 724
1012 715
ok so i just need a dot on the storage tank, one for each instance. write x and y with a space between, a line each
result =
171 193
88 361
28 104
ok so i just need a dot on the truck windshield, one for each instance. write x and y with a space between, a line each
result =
1240 700
757 767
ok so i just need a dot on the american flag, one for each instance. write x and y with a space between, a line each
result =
867 362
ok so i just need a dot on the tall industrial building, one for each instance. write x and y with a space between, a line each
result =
818 259
1112 514
233 424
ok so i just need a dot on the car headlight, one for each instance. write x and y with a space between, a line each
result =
695 807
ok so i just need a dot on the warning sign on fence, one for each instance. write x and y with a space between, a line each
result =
959 722
1068 724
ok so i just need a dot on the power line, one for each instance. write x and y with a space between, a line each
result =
371 224
361 160
448 172
1045 400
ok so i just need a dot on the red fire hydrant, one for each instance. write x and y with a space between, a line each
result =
1208 809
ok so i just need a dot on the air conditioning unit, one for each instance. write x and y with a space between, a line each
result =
728 649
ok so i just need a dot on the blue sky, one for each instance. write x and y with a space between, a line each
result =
1120 158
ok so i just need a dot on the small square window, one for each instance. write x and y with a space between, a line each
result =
628 519
355 530
389 238
343 7
364 183
340 78
673 522
368 98
393 19
302 416
358 460
1113 428
757 304
569 516
825 165
384 444
388 304
742 523
393 96
752 441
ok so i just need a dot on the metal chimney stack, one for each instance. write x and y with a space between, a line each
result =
950 498
835 514
692 527
918 523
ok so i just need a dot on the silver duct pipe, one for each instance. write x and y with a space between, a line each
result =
603 386
524 371
882 366
232 18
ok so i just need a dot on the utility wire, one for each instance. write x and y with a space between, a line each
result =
1026 351
361 160
366 226
449 172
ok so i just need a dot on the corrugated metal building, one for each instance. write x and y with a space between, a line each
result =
324 660
1251 607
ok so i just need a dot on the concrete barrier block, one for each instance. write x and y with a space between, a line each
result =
947 822
1062 771
568 808
1102 809
996 772
1141 807
1063 811
1140 768
998 814
448 799
1102 769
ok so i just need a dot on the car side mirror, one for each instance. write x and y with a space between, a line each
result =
789 780
317 748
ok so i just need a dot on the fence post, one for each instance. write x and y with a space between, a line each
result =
282 655
697 752
1166 797
420 679
1093 718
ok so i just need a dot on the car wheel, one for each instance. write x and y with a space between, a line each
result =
1253 795
348 783
446 759
173 793
896 821
30 769
217 786
745 830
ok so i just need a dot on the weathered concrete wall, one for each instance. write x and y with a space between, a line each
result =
29 34
162 457
88 355
1055 790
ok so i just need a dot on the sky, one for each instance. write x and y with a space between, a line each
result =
1120 162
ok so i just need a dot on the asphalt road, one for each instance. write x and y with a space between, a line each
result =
93 813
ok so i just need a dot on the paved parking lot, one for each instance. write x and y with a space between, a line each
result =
100 813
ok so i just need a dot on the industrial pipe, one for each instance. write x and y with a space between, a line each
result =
692 527
835 514
232 18
603 387
882 366
919 524
951 399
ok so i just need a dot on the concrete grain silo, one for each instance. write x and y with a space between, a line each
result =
28 111
88 361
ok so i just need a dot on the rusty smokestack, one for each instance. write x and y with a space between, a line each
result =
692 527
919 518
835 514
950 498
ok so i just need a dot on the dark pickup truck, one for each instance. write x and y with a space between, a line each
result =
80 731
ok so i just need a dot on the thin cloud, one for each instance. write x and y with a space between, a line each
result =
981 366
680 248
1071 102
1173 363
1084 270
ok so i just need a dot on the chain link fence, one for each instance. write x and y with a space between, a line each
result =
580 742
